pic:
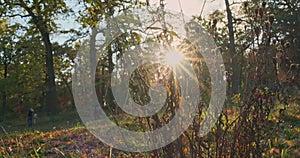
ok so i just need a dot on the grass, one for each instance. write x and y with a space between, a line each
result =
63 120
73 142
62 135
65 136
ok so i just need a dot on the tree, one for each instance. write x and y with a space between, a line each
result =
97 11
7 44
42 15
24 69
236 64
265 36
64 60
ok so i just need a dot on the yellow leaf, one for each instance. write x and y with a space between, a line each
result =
274 150
289 142
185 150
51 136
276 140
69 142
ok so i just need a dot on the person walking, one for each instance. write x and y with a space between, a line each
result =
30 117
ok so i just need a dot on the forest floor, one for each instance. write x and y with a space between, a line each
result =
58 136
65 136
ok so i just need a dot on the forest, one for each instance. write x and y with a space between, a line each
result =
142 78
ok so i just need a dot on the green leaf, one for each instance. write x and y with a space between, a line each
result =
137 37
173 33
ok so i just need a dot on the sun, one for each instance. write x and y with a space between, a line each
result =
173 58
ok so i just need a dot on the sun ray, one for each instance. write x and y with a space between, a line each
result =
174 58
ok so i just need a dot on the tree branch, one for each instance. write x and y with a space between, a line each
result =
22 16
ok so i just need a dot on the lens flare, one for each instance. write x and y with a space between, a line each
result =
174 58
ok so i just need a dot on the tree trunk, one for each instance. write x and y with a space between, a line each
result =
51 97
235 64
4 97
110 97
93 50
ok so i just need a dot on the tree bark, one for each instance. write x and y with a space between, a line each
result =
235 64
110 96
4 97
51 98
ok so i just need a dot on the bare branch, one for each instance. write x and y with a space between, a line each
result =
22 16
202 8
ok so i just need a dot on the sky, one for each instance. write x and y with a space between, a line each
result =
193 7
189 8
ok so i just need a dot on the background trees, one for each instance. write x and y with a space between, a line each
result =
41 16
268 66
259 41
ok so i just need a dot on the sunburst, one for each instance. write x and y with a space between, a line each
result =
174 58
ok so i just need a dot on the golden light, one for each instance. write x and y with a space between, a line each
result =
174 58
